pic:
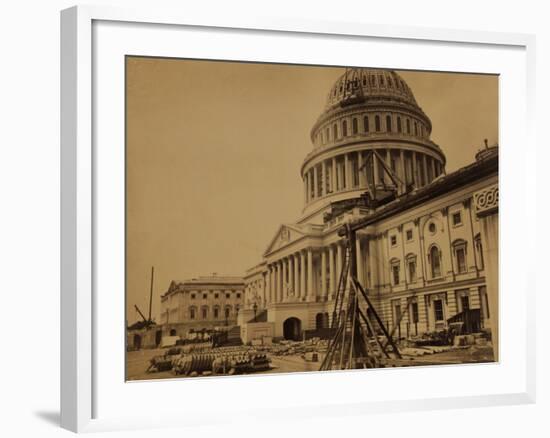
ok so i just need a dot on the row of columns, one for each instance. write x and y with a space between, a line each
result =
309 275
342 173
290 278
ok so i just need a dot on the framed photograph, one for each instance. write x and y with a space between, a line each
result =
269 208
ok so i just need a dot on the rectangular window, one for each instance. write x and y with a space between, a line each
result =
205 296
457 218
216 295
465 302
461 260
412 271
395 272
397 311
192 296
438 310
393 240
409 234
227 296
414 310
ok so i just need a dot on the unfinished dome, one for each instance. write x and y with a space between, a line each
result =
368 110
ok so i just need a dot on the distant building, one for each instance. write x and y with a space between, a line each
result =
201 303
423 254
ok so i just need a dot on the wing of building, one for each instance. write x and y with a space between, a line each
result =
430 241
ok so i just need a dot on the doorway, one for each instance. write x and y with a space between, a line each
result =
137 342
292 329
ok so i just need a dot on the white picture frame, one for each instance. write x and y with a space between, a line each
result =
82 330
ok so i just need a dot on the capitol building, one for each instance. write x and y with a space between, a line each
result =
428 253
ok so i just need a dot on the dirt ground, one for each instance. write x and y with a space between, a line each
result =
138 362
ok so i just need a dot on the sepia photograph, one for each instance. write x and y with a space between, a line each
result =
286 218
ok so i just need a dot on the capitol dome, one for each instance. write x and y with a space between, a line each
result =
368 112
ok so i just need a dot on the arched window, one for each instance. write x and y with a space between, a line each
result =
408 126
327 135
377 123
192 312
344 128
216 312
398 124
364 80
204 312
388 123
415 129
354 126
382 80
335 131
227 312
366 123
435 261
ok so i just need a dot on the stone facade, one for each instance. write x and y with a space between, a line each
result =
204 302
426 258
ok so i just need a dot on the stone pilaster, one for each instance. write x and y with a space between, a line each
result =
486 208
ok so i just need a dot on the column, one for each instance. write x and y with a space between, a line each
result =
425 168
339 263
309 287
305 188
296 285
323 179
290 276
281 274
388 165
334 176
276 283
323 273
284 291
315 181
361 172
273 293
332 277
415 170
347 171
268 286
403 173
373 266
302 275
359 259
375 169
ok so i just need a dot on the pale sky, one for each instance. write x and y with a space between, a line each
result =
214 151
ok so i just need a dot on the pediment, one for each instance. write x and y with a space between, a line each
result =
285 235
